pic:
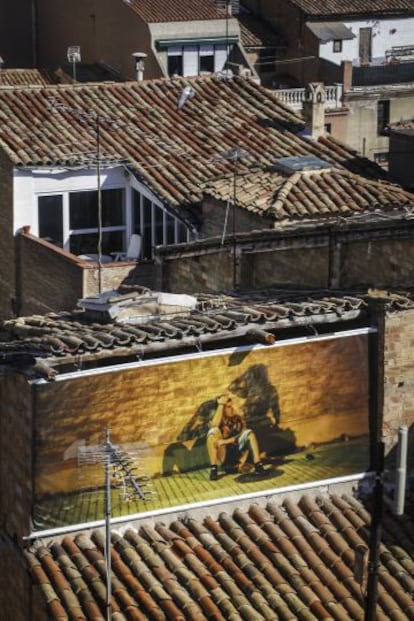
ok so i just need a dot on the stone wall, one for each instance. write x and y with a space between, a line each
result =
320 257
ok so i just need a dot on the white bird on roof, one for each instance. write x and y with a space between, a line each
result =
187 93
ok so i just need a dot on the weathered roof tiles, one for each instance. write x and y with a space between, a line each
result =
329 8
174 151
293 560
309 195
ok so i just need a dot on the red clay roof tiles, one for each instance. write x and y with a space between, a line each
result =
173 151
330 8
170 11
232 566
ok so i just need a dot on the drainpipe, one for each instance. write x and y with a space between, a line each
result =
401 471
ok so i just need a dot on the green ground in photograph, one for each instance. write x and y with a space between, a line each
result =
320 463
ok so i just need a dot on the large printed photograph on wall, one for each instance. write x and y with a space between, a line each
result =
172 432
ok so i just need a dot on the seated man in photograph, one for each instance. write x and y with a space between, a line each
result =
228 434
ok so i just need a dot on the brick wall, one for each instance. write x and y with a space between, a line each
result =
399 377
7 262
320 257
15 601
15 456
49 279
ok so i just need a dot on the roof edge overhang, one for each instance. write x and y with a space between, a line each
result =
219 40
119 522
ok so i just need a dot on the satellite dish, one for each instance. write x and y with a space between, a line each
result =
187 93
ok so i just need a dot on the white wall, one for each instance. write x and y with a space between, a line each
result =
386 33
29 184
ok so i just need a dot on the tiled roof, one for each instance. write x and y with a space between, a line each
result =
291 560
43 344
174 151
24 77
185 10
404 125
330 8
310 195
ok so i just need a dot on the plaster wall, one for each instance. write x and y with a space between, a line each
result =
362 132
386 33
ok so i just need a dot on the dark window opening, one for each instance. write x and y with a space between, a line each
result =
51 219
175 64
383 116
337 45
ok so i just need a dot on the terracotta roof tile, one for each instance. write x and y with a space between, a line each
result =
330 8
309 196
44 344
174 151
185 10
24 77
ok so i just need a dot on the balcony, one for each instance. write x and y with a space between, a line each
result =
294 97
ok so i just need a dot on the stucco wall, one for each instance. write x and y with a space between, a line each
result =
362 120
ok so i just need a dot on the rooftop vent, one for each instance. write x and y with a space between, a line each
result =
290 165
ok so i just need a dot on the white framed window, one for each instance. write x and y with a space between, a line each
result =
189 60
70 220
156 226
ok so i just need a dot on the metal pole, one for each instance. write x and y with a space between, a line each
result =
108 455
375 536
98 181
234 227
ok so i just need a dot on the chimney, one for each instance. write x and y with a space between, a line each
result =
346 75
139 64
313 109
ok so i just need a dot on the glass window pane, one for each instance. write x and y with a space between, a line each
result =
175 61
159 226
182 232
170 226
112 241
147 229
113 213
136 212
207 64
50 211
83 210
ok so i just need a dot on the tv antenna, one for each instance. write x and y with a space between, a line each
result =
73 56
121 470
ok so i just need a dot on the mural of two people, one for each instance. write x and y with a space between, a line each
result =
219 436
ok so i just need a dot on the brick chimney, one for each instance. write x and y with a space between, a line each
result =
313 109
346 66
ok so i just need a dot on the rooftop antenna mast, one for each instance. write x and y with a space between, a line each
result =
119 464
74 56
